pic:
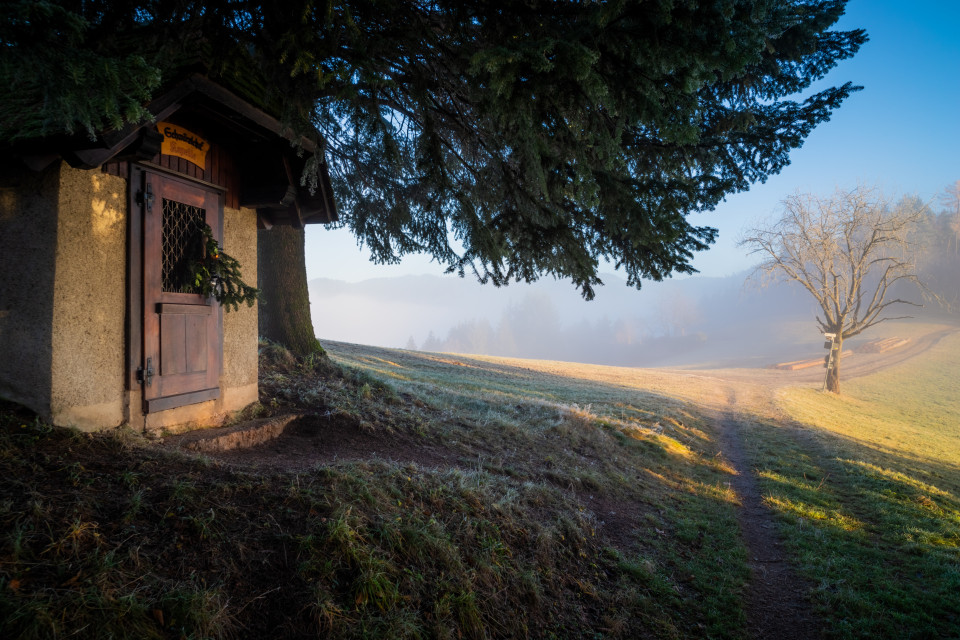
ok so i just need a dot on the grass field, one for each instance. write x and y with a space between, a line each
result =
635 457
909 411
868 492
866 484
510 499
560 508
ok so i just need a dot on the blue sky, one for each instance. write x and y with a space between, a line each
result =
900 133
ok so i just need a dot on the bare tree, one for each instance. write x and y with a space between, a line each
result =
951 199
848 250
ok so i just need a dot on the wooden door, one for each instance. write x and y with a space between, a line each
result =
182 335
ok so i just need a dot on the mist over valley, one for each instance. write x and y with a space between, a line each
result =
690 322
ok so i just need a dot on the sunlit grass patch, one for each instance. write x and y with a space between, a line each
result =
721 492
802 483
810 512
673 446
880 544
911 410
876 471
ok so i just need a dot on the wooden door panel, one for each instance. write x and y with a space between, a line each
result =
184 339
173 340
196 343
181 329
185 309
180 384
192 194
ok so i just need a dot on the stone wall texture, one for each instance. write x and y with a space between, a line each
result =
239 378
89 295
28 242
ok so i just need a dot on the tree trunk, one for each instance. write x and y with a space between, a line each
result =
833 372
282 277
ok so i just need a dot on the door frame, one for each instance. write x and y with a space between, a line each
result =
135 284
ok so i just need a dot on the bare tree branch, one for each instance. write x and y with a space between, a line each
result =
846 250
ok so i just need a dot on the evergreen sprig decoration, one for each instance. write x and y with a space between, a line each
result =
216 273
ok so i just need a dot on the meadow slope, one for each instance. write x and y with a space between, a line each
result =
434 495
864 487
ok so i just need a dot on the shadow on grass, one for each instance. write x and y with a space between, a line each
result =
123 540
878 534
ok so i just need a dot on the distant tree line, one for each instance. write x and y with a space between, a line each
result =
938 236
935 243
534 329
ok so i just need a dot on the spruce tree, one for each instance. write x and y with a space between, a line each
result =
284 311
507 140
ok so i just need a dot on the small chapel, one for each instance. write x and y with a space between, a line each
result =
101 324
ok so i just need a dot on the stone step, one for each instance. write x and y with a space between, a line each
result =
238 436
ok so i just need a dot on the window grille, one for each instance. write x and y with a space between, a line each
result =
182 242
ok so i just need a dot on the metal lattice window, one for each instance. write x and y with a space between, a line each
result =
182 242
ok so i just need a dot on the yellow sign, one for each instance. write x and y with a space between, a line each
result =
179 142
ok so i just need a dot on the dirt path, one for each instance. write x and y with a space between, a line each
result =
776 602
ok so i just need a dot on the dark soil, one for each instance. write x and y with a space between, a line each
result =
313 440
316 439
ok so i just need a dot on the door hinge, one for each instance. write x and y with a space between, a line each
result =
145 375
145 197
